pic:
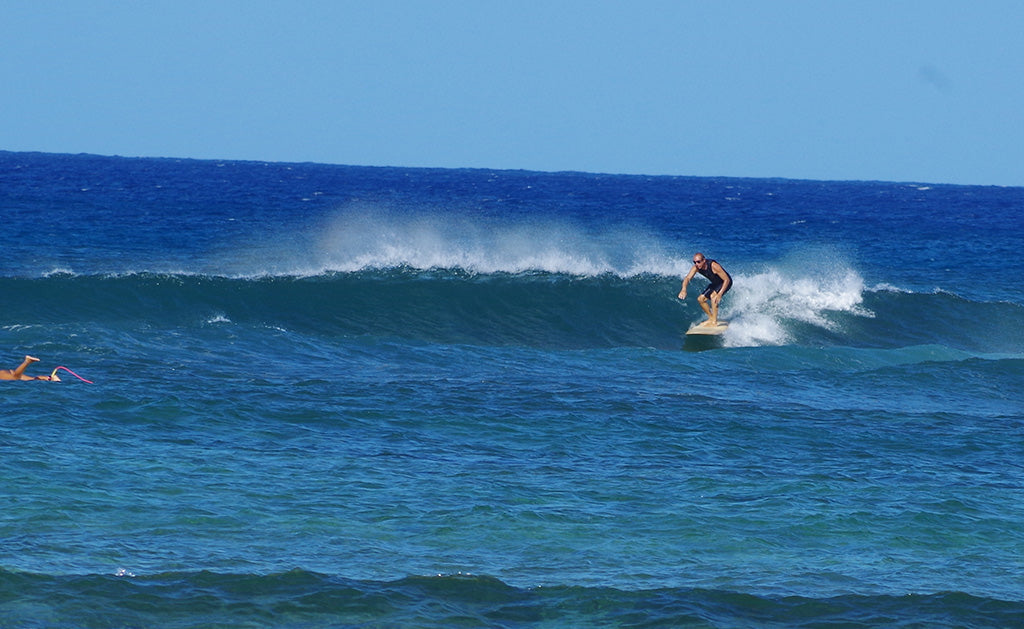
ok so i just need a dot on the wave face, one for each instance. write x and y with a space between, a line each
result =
530 309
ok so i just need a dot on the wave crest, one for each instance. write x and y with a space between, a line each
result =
358 239
765 302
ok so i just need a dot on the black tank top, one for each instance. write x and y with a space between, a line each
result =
711 275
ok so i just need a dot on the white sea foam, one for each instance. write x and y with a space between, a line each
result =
806 291
365 238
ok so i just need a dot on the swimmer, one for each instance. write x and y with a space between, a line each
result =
19 372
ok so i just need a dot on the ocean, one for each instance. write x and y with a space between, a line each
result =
342 396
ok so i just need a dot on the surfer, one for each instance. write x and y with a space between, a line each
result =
720 284
19 372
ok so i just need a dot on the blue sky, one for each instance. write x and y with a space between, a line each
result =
922 91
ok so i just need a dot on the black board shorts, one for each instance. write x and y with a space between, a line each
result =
714 288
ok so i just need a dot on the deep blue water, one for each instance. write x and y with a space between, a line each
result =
337 396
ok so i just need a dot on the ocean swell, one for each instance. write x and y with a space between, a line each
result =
534 309
301 598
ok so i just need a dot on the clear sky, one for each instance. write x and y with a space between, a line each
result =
921 91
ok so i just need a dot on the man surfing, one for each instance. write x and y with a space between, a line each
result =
720 284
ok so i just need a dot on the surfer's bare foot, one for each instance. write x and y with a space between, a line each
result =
31 359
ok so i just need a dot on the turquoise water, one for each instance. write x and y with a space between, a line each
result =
335 396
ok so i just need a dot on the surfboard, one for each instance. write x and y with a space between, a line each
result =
708 330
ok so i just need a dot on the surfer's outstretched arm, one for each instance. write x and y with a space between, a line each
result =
686 282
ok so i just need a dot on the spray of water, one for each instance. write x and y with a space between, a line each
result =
361 238
804 287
